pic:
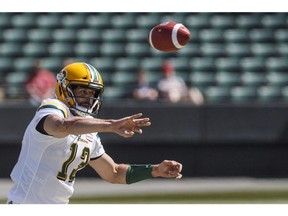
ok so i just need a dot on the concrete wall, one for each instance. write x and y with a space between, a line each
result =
210 140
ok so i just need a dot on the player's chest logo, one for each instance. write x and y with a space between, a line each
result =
86 139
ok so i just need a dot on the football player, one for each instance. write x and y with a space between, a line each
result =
62 138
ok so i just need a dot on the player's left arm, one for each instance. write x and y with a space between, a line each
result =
108 170
132 173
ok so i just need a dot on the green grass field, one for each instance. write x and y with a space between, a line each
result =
229 197
239 197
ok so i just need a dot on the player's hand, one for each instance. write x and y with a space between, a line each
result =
130 125
168 169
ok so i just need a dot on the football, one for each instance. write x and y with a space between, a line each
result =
169 36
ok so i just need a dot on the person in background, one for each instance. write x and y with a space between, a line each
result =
172 88
40 84
143 91
2 90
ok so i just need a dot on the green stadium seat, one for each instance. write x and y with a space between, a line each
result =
262 35
198 21
243 94
268 94
248 21
98 21
282 49
116 93
264 49
5 20
190 50
281 35
276 64
24 64
54 64
236 35
108 49
152 64
217 94
202 79
176 17
50 20
76 59
156 53
253 64
137 35
1 37
86 50
124 79
89 35
253 78
107 78
6 65
213 50
127 64
15 35
148 20
15 85
277 78
11 49
238 50
37 50
225 78
231 64
211 35
64 35
137 49
40 35
113 35
195 38
104 64
61 49
202 64
223 21
275 20
74 21
123 21
24 20
181 64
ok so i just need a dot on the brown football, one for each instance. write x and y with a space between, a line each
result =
169 36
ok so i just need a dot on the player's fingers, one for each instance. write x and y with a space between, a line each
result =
138 130
179 176
179 167
172 163
135 116
142 122
172 174
128 133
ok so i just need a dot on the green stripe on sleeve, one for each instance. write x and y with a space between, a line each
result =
53 107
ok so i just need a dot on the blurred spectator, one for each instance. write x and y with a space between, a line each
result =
2 90
173 88
143 90
40 84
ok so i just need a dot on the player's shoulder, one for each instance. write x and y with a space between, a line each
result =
54 104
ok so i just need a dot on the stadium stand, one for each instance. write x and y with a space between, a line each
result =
243 53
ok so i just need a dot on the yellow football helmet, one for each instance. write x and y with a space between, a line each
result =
84 75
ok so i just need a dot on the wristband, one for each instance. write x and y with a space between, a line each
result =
138 172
